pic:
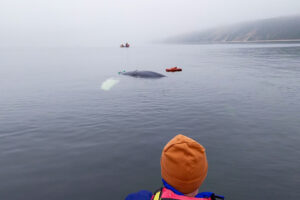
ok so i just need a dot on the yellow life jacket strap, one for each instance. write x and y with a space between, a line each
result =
157 195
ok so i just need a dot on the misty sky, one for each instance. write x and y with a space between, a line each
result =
110 22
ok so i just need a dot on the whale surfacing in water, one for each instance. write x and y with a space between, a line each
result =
143 74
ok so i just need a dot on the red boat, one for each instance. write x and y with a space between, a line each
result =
173 69
125 45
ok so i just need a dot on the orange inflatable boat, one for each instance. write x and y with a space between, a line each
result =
173 69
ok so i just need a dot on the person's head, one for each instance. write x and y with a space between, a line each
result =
184 164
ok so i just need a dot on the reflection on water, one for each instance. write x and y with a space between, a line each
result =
62 137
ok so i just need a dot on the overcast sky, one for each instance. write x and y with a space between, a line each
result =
110 22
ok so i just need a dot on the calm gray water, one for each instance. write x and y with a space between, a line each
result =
62 137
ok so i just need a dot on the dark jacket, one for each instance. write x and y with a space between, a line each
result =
146 195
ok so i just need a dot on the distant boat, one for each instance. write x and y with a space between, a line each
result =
173 69
125 45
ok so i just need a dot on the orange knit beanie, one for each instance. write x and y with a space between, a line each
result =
183 164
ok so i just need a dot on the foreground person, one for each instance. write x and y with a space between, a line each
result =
183 169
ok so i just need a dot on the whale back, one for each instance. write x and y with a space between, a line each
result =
143 74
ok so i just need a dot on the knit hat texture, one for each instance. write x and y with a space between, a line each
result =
183 164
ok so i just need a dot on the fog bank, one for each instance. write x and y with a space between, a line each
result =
104 22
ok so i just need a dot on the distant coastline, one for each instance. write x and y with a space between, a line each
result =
283 29
242 42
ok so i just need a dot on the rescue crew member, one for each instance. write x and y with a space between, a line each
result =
183 170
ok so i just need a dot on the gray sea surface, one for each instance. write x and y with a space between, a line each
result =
63 137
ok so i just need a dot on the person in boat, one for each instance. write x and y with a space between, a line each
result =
183 170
